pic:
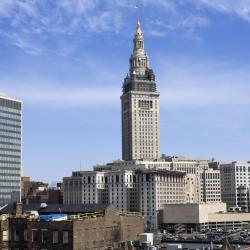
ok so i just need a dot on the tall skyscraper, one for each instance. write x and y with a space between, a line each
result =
10 149
140 107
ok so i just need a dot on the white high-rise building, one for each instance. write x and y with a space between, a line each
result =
235 184
135 190
210 186
140 107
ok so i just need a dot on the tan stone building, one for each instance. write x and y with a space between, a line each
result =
140 107
210 186
141 190
235 184
202 181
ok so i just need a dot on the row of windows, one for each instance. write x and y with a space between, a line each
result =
10 140
9 190
211 175
8 146
5 196
231 169
45 236
9 171
10 134
139 62
145 104
7 152
35 236
9 128
9 165
16 123
15 111
12 116
10 159
10 184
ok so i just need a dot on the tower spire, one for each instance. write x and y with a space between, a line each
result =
140 106
138 28
138 38
139 58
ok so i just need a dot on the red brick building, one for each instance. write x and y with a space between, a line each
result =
87 227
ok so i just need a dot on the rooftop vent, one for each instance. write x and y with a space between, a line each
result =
43 205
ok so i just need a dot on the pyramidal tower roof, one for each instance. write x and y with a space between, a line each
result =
138 28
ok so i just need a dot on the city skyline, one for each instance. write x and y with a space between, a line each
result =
68 105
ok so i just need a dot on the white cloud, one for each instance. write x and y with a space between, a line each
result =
20 42
5 6
61 16
240 8
187 82
187 25
182 84
64 96
192 95
16 9
104 22
34 20
169 6
76 7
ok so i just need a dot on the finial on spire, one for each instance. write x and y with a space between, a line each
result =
138 28
137 12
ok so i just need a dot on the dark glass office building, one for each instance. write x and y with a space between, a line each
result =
10 149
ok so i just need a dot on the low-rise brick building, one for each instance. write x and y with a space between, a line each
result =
105 227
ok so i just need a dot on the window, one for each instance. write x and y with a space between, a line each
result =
55 237
65 237
5 235
44 235
16 235
34 235
25 235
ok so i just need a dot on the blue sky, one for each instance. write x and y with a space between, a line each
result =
67 59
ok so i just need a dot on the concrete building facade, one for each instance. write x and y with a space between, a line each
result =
235 185
202 181
181 218
10 149
210 186
140 107
138 190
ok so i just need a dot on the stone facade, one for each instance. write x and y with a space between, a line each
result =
142 190
140 107
235 185
210 186
202 181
